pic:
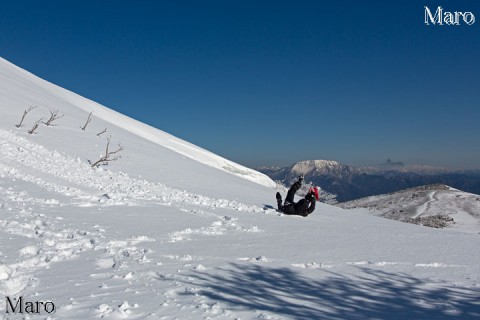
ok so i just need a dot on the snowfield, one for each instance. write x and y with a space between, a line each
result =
434 205
171 231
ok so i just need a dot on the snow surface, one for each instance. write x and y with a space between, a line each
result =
425 201
171 231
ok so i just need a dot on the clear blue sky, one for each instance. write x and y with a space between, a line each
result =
268 82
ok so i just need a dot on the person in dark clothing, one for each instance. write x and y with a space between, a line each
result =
303 207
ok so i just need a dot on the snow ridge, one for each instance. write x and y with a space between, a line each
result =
431 205
13 78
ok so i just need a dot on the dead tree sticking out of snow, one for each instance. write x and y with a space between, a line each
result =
108 155
35 126
88 121
24 115
53 116
100 133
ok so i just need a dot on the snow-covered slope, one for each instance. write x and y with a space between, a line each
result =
20 89
159 235
432 205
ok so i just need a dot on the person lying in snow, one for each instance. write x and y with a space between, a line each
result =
303 207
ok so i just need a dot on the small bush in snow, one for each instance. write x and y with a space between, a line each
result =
24 115
53 116
35 126
108 156
102 132
88 121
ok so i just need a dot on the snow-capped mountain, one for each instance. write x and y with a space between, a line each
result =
349 183
310 169
436 206
319 167
171 231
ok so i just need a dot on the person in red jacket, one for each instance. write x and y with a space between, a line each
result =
303 207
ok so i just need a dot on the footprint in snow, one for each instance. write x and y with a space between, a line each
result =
434 265
257 259
312 265
123 310
372 263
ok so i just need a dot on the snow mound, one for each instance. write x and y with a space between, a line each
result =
436 205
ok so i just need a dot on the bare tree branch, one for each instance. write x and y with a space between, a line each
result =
53 116
108 155
24 115
35 126
88 121
100 133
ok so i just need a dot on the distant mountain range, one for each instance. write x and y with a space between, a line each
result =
349 183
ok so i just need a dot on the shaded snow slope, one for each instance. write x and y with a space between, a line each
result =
20 89
420 204
158 235
168 260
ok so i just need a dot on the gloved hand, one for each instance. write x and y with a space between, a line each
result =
310 197
300 178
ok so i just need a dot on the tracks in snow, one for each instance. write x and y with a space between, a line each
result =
25 164
50 240
53 171
427 205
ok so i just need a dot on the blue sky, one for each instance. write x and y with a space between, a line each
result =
268 82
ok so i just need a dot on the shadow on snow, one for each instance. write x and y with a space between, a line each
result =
373 294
